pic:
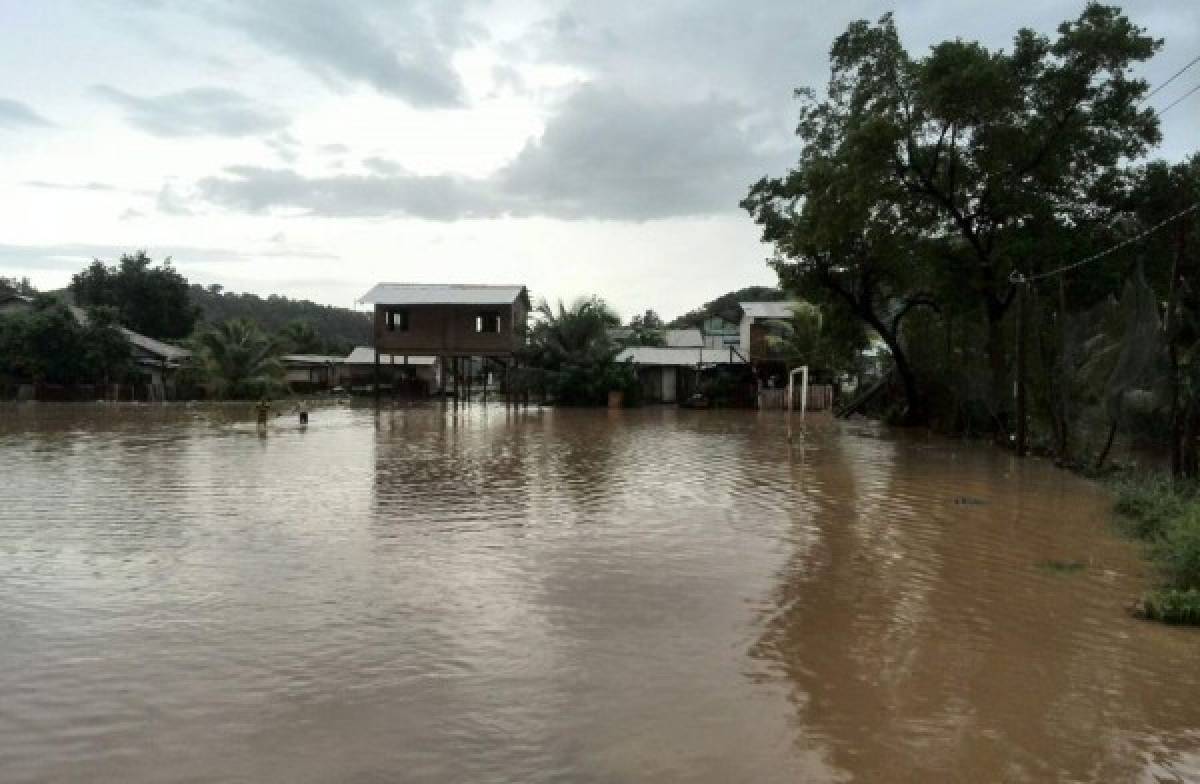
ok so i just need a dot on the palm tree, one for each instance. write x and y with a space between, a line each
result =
301 337
577 335
239 359
570 354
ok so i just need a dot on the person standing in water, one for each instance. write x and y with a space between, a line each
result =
303 411
263 410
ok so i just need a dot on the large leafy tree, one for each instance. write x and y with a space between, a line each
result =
49 344
939 170
239 359
150 299
1162 192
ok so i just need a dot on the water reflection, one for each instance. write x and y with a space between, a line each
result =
433 594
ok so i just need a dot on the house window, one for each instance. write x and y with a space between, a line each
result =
396 320
486 323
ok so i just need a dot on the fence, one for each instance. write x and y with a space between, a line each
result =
820 398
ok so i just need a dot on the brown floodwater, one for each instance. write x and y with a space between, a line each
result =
480 595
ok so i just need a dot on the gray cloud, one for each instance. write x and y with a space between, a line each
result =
286 146
171 203
131 214
609 155
70 256
200 111
70 186
256 189
14 114
605 155
401 49
383 166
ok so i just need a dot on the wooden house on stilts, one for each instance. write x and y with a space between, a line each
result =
457 323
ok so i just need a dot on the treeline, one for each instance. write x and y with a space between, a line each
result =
72 337
992 217
338 329
726 306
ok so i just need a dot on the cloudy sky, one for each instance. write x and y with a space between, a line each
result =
314 147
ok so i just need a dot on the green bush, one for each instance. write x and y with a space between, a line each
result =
1172 606
1177 552
1148 505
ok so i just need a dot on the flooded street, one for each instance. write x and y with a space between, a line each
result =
441 595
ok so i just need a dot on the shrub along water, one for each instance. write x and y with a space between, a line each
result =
1166 515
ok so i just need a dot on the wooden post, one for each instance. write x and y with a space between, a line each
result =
377 374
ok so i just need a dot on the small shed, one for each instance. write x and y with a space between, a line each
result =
670 374
158 362
311 371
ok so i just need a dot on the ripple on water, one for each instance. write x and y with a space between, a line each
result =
478 593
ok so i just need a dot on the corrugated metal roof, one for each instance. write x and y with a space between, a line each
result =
442 294
312 359
365 355
683 338
156 347
678 357
769 310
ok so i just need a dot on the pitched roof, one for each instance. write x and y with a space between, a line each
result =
155 347
683 338
443 294
365 355
768 310
679 357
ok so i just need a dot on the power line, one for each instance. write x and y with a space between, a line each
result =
1178 100
1173 77
1017 277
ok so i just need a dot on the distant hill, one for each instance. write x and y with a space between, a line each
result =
340 328
726 306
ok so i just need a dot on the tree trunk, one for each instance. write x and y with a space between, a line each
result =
915 407
1062 382
998 365
1112 434
1180 443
